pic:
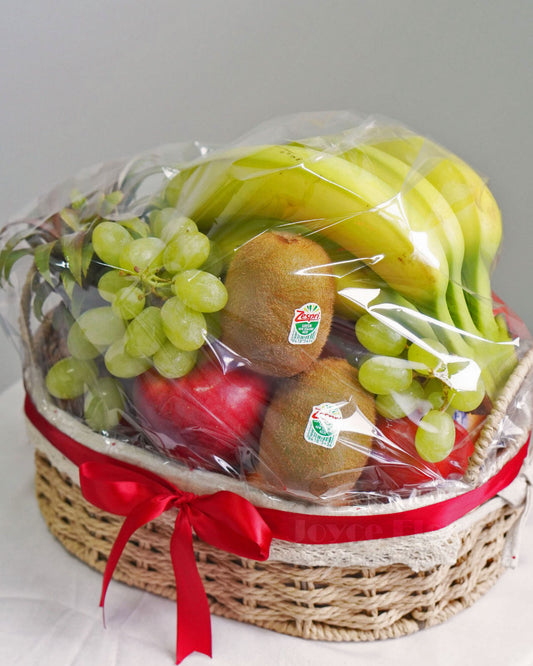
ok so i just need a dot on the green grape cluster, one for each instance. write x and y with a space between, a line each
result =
414 379
73 377
157 288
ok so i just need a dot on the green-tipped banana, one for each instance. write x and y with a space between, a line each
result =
204 187
342 201
422 204
495 361
421 201
352 206
479 217
477 212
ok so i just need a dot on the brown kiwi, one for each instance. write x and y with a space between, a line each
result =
268 279
289 462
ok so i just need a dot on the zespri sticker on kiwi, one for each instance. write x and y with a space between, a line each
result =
323 425
305 323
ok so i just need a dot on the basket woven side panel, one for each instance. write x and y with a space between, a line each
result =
326 603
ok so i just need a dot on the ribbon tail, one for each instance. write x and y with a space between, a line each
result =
140 515
194 619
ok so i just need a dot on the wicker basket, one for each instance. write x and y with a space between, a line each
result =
324 603
338 603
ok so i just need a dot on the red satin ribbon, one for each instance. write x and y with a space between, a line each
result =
223 519
233 524
304 528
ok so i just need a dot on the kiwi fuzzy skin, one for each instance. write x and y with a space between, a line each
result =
268 279
290 464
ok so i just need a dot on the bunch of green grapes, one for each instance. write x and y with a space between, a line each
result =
159 288
414 379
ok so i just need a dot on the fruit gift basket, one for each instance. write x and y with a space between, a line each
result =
271 379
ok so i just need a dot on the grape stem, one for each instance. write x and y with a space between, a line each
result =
152 283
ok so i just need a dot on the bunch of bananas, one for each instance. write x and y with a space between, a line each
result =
415 231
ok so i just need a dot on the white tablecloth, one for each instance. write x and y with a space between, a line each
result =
49 614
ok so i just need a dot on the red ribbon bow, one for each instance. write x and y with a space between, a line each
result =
223 519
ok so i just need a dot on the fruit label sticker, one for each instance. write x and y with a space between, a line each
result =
305 323
323 425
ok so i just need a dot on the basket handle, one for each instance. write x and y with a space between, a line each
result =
494 420
24 317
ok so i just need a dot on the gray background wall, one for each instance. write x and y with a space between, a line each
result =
82 82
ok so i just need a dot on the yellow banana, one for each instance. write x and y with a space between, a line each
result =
422 201
476 210
479 217
203 186
342 201
426 211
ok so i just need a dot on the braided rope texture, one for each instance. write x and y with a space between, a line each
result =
323 603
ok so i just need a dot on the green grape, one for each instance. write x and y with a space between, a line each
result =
176 227
101 326
384 374
187 251
104 403
427 362
379 338
121 364
434 385
172 362
109 238
435 437
68 378
200 291
185 328
145 334
112 281
437 400
79 346
436 393
155 222
143 254
214 263
128 302
136 226
398 404
160 218
467 401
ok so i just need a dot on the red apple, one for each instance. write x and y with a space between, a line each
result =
207 417
398 466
